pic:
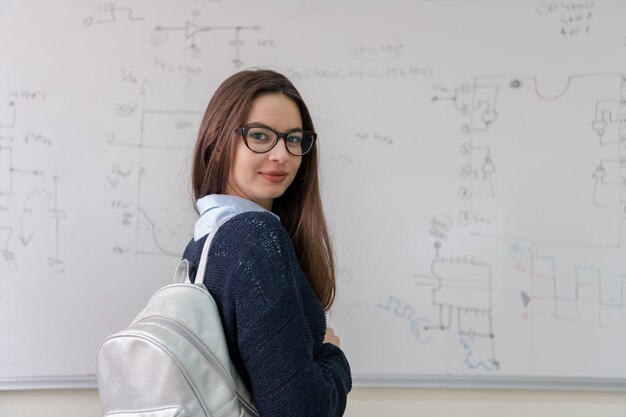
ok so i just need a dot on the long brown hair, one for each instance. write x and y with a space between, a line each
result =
300 206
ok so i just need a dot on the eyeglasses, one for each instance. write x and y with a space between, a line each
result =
260 139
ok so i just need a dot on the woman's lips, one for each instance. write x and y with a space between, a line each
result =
274 176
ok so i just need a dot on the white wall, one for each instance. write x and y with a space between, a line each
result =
365 402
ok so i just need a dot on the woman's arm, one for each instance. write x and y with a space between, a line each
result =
288 377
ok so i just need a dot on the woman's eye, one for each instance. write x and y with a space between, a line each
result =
294 139
258 136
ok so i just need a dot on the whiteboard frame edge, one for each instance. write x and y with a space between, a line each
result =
48 382
370 381
482 382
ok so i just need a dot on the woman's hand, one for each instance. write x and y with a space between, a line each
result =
331 337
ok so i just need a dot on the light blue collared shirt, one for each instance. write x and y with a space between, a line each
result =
214 208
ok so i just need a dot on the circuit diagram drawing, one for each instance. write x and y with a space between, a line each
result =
459 305
487 142
111 12
554 196
190 31
154 128
145 191
461 298
31 217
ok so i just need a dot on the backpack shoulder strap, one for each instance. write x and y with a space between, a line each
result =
182 271
205 252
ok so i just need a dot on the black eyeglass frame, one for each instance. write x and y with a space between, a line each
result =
243 131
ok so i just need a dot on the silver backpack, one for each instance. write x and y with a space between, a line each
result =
172 360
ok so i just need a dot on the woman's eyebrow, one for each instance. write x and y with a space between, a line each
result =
264 125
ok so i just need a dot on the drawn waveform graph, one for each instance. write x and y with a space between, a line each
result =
164 203
575 285
610 312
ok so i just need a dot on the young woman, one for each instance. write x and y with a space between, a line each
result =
271 265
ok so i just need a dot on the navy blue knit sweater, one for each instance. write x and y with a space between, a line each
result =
273 321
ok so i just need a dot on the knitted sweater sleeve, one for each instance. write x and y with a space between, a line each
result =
289 375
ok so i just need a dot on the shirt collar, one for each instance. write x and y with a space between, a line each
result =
214 208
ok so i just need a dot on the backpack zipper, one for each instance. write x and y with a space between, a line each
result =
206 351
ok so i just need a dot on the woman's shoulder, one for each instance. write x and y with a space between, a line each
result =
242 235
262 257
253 230
256 219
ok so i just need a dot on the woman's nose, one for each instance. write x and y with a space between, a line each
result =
279 152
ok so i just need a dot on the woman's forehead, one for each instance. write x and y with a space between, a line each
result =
276 111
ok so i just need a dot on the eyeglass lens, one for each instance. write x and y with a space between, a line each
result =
261 140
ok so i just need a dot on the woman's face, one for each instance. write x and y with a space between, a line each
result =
263 177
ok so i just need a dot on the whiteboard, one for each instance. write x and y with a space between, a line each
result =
473 169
